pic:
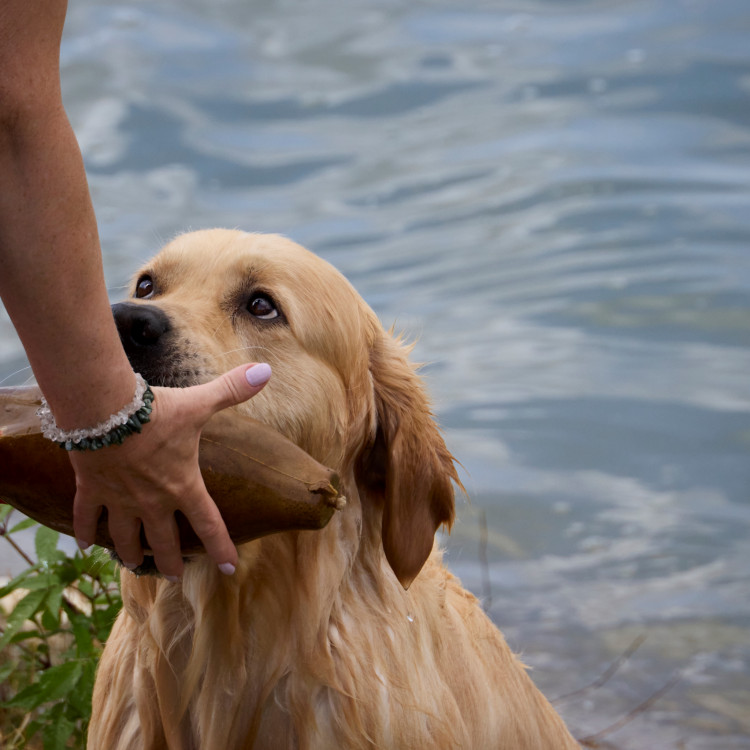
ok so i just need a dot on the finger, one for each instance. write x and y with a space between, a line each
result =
208 524
164 540
231 388
85 518
126 534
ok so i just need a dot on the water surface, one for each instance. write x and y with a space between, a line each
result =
553 198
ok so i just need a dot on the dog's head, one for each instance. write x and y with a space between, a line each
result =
342 388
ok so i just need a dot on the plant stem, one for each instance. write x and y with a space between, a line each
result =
15 546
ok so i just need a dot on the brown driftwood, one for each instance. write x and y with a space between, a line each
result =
261 482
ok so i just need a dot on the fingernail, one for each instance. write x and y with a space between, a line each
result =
227 569
258 374
173 579
83 546
129 566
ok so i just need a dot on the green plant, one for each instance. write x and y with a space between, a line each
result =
54 619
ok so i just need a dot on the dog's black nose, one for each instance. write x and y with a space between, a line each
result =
140 326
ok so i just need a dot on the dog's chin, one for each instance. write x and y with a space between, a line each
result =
175 369
169 378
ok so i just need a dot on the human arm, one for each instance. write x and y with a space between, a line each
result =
52 285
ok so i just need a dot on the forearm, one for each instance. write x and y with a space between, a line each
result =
52 284
51 278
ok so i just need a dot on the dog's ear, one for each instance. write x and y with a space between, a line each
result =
408 466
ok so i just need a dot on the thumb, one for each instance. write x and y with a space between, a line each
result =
233 387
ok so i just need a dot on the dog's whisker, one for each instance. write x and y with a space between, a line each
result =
244 349
227 317
13 374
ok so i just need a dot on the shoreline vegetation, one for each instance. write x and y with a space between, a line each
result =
55 617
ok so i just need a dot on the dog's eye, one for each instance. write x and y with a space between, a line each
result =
262 306
144 287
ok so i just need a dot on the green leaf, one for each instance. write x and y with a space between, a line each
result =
17 582
80 698
106 619
27 523
57 699
99 564
26 699
67 572
24 610
57 732
82 635
50 619
33 582
54 684
5 671
46 543
54 599
86 588
58 681
25 635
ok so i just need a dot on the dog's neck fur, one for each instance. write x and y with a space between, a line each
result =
224 632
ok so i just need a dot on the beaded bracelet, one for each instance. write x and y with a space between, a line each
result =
114 430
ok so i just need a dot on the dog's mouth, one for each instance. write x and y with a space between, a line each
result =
156 349
181 371
147 567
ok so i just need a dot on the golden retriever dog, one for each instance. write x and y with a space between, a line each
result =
353 636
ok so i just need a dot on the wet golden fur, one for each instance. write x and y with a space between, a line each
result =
314 643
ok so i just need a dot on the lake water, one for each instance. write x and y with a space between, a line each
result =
554 198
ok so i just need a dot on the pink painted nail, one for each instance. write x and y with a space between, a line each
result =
258 374
227 569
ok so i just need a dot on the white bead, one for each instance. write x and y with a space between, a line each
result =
51 431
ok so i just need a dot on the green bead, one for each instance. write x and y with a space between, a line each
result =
117 434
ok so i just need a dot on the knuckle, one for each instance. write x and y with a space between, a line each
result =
210 528
231 390
168 563
159 537
206 519
85 514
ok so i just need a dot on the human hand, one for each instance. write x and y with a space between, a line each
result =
155 473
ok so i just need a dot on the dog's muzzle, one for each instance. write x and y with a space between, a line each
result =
147 337
142 328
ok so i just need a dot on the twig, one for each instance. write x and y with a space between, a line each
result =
15 546
608 674
592 739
